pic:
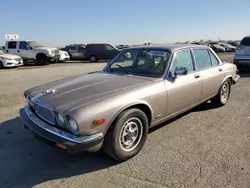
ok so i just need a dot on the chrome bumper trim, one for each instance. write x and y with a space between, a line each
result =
236 78
58 132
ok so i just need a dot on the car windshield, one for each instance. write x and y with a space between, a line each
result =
34 44
142 62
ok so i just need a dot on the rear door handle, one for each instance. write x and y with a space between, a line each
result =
197 76
18 50
220 69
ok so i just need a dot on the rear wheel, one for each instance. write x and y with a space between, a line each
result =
127 135
223 95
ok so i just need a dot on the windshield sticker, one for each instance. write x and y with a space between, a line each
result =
157 53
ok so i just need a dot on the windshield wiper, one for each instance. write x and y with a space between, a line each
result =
122 68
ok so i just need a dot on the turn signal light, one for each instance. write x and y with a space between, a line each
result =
99 121
61 146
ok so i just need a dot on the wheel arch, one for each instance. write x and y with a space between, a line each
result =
143 106
227 77
40 55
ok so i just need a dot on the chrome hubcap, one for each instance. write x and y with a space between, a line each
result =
131 134
224 92
92 58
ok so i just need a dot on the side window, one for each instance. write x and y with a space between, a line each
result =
214 61
12 45
22 45
109 48
72 48
183 59
202 58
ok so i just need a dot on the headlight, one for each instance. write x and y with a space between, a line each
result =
60 120
5 58
73 126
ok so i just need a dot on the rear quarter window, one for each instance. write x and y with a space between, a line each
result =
245 41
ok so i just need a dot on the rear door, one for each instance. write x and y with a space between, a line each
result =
185 90
210 71
11 47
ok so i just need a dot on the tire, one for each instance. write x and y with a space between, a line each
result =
93 58
42 60
223 95
114 143
1 65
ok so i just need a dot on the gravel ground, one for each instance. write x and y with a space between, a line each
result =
203 148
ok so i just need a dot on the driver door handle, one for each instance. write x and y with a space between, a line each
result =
220 69
197 76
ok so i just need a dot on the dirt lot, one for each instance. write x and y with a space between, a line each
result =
203 148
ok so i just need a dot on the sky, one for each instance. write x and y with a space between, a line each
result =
62 22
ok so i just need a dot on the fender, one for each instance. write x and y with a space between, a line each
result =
229 76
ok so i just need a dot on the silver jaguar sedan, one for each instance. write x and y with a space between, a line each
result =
114 108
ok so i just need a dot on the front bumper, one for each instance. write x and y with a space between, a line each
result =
12 63
73 143
236 79
54 57
64 58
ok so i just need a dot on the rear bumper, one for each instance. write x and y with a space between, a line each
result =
236 79
73 143
242 59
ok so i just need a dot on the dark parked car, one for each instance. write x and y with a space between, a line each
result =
95 52
234 43
216 47
228 47
76 52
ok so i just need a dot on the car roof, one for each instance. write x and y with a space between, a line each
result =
170 47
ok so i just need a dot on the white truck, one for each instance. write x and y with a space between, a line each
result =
32 51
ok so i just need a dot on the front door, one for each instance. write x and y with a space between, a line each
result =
109 52
184 91
25 50
210 71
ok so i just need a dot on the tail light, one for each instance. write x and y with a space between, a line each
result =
240 48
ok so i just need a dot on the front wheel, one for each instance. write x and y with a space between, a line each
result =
127 135
1 65
93 58
223 95
42 60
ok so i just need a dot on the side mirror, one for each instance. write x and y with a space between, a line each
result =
27 47
180 71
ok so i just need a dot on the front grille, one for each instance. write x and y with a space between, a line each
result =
17 59
45 113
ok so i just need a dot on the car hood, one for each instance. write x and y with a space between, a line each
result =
9 56
74 92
